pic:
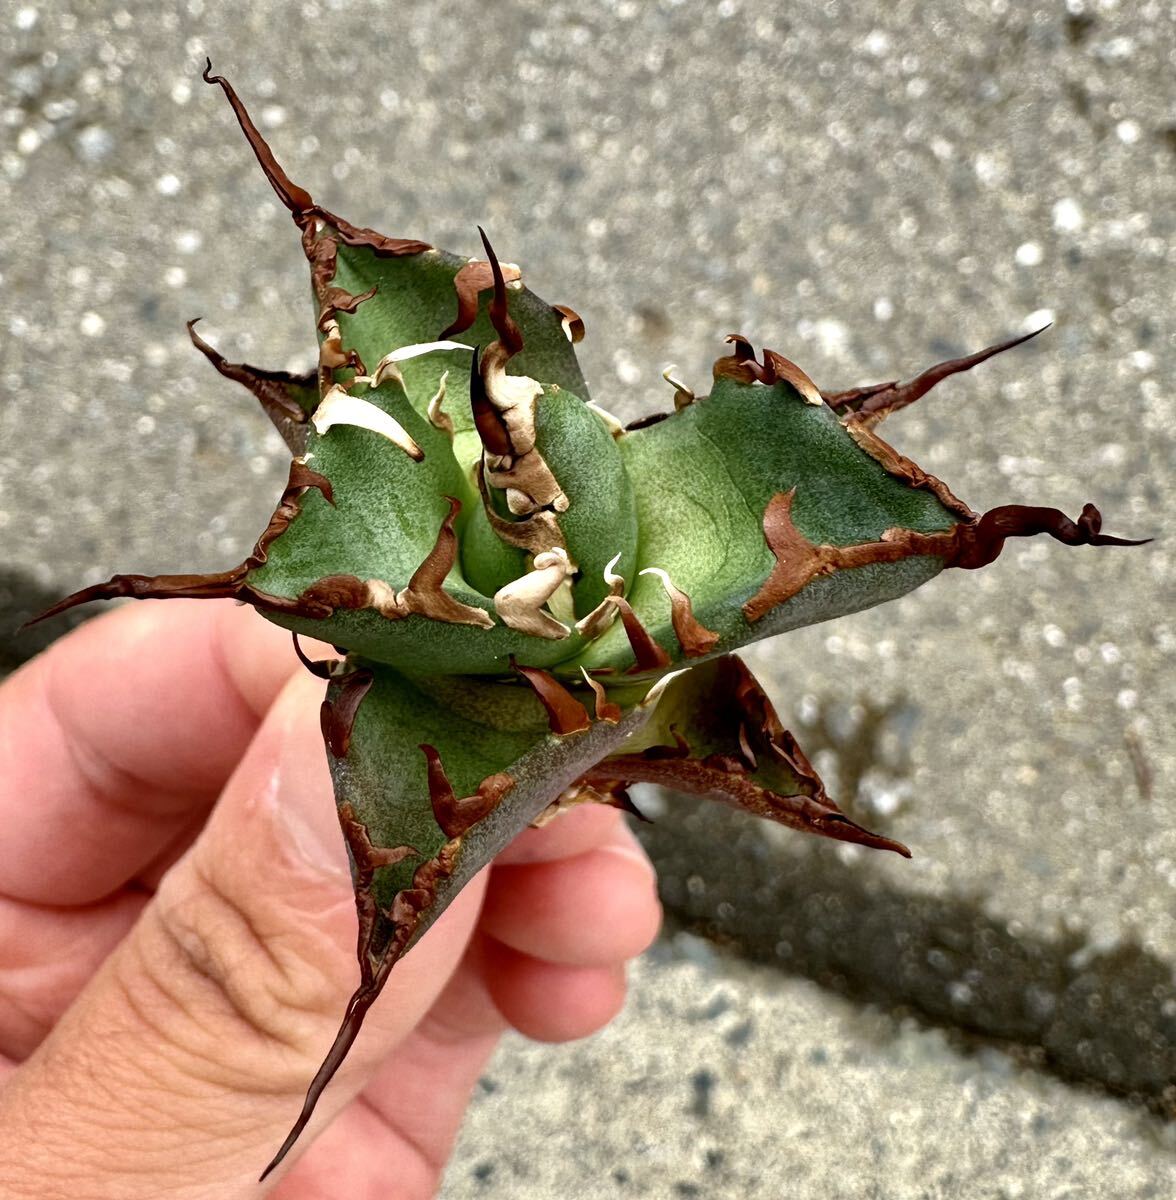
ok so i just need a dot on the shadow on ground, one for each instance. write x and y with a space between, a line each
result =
21 599
1102 1018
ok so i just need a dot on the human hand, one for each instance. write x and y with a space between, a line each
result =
177 932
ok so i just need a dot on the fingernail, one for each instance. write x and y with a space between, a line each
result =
629 846
304 802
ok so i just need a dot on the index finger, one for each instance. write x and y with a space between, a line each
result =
117 736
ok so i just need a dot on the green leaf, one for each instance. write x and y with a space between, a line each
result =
382 523
703 478
433 777
416 301
715 733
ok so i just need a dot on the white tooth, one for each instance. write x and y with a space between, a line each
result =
384 368
520 603
656 692
339 408
437 418
385 371
682 394
613 425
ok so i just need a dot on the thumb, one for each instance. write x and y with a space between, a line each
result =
180 1067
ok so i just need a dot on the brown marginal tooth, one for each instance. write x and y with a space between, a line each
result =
487 419
565 714
776 366
474 278
296 199
456 814
901 467
606 709
573 323
271 389
694 637
368 858
650 656
303 476
743 350
740 364
321 668
337 716
339 300
426 593
369 239
500 318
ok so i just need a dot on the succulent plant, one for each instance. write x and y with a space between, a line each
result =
534 605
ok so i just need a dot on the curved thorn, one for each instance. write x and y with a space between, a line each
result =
859 835
565 714
296 199
500 318
320 668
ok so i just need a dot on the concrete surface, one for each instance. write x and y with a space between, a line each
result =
724 1080
864 191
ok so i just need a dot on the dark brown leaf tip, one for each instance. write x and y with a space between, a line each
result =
231 584
375 963
565 714
296 199
870 404
969 545
456 814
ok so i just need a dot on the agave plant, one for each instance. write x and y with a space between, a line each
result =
534 605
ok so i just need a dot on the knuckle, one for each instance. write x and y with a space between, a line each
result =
226 985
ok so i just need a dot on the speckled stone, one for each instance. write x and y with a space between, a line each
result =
864 190
730 1083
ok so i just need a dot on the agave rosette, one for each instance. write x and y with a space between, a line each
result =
534 605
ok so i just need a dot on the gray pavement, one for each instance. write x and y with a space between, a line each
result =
864 191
